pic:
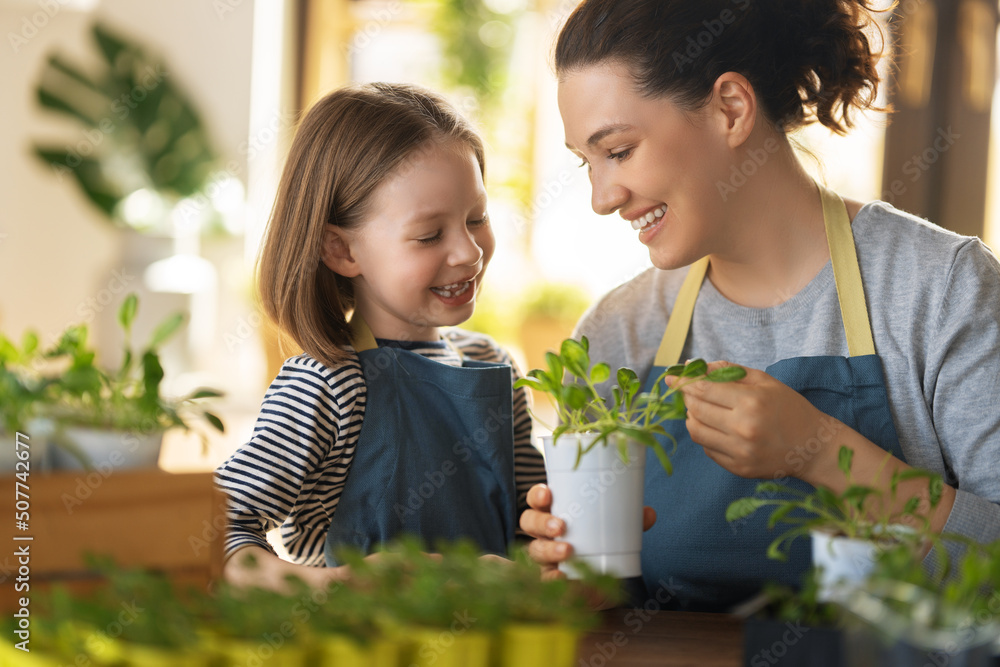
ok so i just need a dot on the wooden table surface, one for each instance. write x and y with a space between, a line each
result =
637 637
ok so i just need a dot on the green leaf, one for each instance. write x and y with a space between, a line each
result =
912 505
166 329
727 374
844 459
600 373
129 307
152 375
555 365
695 368
661 454
625 377
206 393
675 409
29 343
530 382
779 514
575 358
936 489
215 422
744 507
827 498
585 343
575 396
677 370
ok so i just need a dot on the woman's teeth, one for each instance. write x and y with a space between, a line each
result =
455 289
648 219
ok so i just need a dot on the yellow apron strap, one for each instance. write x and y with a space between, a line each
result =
361 336
680 317
847 275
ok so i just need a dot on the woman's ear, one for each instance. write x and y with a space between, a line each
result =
337 252
735 100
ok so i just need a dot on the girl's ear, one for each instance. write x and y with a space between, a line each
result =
734 98
337 252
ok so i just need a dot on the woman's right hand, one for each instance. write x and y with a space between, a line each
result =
541 525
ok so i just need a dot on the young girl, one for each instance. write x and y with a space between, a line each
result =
859 324
384 426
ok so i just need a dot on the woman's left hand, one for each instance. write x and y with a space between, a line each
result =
756 427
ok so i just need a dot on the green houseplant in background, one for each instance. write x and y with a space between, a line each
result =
142 137
597 490
22 389
847 529
117 417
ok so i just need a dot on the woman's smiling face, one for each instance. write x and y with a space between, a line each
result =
655 164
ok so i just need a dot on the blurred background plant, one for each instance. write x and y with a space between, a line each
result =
146 155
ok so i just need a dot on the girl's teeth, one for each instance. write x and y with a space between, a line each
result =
646 220
454 289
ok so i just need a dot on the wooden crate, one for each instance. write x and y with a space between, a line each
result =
150 518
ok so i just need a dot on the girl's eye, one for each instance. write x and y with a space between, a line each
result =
479 223
583 163
430 240
623 155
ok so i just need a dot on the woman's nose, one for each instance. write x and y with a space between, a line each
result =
607 196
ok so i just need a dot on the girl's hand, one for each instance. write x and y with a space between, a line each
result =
757 427
540 524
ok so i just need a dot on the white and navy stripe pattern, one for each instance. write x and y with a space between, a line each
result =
292 471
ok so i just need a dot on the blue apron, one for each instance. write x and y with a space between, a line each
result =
435 456
692 554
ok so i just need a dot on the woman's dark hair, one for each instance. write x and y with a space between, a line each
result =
806 59
347 145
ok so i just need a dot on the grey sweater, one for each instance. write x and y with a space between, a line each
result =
934 302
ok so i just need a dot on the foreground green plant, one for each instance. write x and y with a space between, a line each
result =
571 383
127 398
848 514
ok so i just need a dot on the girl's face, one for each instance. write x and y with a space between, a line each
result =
656 165
421 255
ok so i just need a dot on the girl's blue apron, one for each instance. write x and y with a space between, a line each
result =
435 456
692 558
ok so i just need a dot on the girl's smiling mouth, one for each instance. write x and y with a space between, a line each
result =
455 292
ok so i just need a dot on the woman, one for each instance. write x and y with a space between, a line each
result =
859 325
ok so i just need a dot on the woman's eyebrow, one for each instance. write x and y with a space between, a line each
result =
602 133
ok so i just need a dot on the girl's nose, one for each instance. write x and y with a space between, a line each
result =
466 251
607 196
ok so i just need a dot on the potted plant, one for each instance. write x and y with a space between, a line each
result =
847 529
905 614
597 490
116 418
544 620
22 388
791 627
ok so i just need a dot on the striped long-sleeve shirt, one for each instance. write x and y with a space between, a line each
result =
292 471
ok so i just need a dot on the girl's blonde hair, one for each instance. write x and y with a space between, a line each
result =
346 146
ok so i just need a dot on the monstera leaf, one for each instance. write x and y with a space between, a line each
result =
138 130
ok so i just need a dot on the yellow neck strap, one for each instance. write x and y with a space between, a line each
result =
846 274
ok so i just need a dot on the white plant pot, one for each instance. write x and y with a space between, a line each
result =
106 450
38 434
845 563
600 500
